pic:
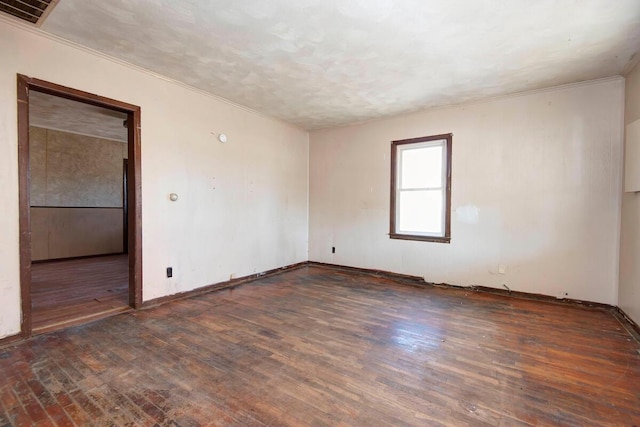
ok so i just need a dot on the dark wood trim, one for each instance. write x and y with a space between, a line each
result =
24 203
422 139
448 137
447 218
504 292
394 173
624 318
77 95
76 207
27 84
420 238
541 297
631 327
11 339
416 280
222 285
134 207
42 261
125 209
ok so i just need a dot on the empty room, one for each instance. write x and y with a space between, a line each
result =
320 213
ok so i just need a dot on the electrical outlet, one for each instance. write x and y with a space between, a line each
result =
502 269
169 271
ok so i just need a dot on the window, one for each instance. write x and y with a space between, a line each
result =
421 189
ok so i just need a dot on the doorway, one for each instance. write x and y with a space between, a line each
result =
79 278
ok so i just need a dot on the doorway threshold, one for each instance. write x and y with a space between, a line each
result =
80 320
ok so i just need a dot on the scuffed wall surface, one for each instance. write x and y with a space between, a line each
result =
535 187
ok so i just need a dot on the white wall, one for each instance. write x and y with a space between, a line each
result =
542 169
242 205
629 294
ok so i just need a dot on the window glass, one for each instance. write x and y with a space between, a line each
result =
421 189
421 212
421 167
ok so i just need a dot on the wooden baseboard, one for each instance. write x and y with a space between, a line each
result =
420 281
624 318
221 285
630 325
542 298
378 273
11 339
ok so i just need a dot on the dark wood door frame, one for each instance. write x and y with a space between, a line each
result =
125 206
134 205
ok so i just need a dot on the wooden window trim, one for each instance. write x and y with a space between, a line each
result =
448 137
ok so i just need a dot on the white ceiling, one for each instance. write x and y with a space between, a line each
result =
323 63
53 112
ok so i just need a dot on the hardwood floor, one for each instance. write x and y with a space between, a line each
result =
323 347
71 291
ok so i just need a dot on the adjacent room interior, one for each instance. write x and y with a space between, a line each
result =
320 213
78 174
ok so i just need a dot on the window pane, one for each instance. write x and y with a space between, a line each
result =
421 167
420 212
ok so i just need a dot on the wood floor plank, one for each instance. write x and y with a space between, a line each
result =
78 290
323 347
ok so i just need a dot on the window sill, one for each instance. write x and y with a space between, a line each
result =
420 238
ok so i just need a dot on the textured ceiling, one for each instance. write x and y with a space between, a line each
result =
53 112
322 63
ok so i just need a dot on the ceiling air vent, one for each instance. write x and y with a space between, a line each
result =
32 11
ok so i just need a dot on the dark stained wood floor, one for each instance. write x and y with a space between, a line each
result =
71 291
321 347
